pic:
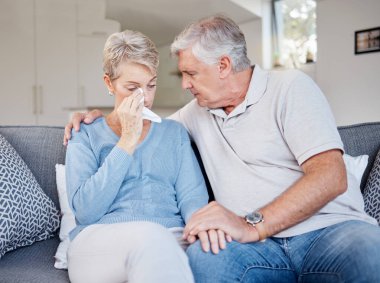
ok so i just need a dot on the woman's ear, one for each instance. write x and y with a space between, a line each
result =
108 83
225 66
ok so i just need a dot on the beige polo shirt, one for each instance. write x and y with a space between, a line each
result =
254 154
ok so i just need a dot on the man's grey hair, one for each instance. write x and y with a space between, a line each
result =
128 46
211 38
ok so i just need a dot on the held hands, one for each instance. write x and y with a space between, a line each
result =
129 113
215 238
213 224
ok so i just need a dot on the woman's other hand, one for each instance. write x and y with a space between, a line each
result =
129 113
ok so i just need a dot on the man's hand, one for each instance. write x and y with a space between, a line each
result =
76 119
206 222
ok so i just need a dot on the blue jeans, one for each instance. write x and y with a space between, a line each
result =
345 252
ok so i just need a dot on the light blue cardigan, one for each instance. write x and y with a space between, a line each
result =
161 182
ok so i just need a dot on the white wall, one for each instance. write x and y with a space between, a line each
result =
170 96
350 82
253 36
169 92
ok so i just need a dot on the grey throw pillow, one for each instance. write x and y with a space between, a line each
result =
27 214
371 191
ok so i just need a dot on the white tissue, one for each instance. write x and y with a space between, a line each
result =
148 114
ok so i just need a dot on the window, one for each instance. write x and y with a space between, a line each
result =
294 30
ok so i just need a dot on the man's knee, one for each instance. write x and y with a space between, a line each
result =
348 250
358 241
240 263
210 267
202 261
197 255
365 251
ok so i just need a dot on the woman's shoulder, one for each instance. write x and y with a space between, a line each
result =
172 125
173 130
87 130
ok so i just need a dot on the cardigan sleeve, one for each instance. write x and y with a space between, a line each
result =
190 185
91 188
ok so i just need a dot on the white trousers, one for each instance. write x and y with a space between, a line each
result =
134 252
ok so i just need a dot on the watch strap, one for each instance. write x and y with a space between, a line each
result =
260 228
258 224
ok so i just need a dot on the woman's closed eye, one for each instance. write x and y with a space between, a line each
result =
152 86
131 87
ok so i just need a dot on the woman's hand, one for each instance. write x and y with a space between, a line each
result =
129 113
214 239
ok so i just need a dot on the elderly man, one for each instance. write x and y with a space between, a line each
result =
273 155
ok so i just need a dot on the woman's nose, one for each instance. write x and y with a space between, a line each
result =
139 90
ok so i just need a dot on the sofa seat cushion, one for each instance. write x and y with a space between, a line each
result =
32 264
26 212
372 190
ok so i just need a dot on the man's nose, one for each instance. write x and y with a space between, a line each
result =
185 83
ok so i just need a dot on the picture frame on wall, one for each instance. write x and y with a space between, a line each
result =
367 40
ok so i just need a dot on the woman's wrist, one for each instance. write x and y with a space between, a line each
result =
125 145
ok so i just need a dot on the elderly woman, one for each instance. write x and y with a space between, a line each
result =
132 183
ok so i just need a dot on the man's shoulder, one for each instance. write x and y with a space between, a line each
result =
192 112
193 107
191 115
289 76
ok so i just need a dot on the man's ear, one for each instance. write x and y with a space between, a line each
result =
108 83
225 66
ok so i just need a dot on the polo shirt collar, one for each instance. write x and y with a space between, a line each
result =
256 90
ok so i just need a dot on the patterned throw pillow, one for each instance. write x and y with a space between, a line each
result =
27 214
372 191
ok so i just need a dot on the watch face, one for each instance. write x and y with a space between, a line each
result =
254 217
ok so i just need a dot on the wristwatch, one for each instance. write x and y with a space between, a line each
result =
255 218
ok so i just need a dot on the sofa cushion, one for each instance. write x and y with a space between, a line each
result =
355 166
41 148
32 264
26 213
372 190
67 219
362 139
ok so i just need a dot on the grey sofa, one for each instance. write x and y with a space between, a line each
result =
41 148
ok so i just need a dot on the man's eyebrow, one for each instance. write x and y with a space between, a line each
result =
187 72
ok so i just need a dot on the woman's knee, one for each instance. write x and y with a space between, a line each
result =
149 234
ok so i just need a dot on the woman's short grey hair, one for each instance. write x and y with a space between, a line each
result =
128 46
213 37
